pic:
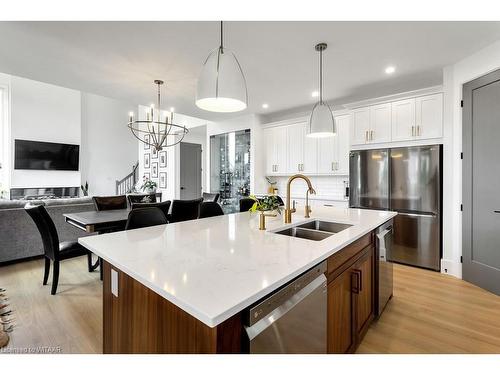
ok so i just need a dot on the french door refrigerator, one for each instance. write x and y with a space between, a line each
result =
407 180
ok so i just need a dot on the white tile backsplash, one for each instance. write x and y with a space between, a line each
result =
327 187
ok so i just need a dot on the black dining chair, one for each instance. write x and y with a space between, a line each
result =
115 202
210 197
246 204
209 209
54 250
141 198
163 206
145 217
183 210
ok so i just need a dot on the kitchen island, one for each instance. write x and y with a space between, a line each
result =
184 287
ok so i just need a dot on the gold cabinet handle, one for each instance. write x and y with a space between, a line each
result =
418 130
413 131
366 136
371 135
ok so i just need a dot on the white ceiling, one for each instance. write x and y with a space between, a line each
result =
121 59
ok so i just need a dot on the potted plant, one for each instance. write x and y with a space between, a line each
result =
266 204
148 186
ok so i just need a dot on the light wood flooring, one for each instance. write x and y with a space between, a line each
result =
429 313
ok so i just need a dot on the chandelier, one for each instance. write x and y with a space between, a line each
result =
157 131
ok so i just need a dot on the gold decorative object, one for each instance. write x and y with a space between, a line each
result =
262 219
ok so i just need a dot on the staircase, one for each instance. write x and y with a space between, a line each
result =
126 184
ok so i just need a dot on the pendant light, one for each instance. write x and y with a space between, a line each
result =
221 85
321 123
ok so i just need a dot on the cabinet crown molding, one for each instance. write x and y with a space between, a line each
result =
394 97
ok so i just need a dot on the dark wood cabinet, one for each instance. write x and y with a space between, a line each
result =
350 298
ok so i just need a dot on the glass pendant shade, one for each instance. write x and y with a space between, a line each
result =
321 122
221 84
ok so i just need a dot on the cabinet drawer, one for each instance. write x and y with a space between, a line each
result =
336 261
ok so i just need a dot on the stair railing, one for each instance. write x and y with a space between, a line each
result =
126 184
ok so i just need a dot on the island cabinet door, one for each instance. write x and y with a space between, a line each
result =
341 335
363 291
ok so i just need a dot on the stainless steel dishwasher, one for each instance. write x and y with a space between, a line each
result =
292 319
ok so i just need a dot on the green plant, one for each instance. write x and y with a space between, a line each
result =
85 189
267 203
148 184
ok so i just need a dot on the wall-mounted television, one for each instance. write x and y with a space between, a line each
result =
45 155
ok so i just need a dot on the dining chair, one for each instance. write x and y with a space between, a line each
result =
163 206
210 209
141 198
246 204
115 202
183 210
210 197
145 217
54 250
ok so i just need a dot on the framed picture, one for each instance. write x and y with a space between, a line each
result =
163 180
147 176
154 169
146 142
147 160
154 153
163 159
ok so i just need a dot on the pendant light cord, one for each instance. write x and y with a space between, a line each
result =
222 36
321 76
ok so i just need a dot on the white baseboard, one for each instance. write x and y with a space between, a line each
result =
451 267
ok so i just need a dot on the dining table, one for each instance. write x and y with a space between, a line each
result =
98 221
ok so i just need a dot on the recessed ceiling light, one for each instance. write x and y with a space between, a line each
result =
172 109
390 70
265 106
315 94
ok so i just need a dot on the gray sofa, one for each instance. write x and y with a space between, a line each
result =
19 236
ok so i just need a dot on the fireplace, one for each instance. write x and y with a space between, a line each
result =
44 193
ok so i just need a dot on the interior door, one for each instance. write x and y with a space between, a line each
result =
190 170
481 182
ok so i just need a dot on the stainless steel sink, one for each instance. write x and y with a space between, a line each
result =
325 226
315 230
307 234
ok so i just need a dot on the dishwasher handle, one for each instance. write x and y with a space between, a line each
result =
257 328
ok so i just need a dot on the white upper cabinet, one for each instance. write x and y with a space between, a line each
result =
429 116
403 120
302 150
380 123
333 152
360 125
276 150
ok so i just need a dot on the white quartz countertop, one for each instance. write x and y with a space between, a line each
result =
215 267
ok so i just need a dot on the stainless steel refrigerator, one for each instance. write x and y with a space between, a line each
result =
407 180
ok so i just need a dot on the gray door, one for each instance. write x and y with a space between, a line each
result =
369 179
481 182
190 170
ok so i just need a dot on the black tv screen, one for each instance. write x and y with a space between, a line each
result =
45 155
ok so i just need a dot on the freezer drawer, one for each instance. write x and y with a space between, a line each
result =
417 240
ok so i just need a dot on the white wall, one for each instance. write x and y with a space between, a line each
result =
172 191
257 147
48 113
108 149
4 135
474 66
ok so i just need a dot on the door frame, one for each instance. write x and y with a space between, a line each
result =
484 277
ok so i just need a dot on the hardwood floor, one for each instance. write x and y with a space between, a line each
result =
429 313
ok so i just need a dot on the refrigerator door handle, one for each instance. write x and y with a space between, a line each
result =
416 215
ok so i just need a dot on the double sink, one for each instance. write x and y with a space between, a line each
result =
315 230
